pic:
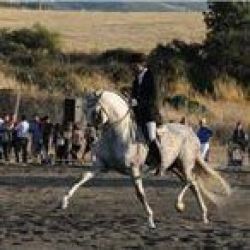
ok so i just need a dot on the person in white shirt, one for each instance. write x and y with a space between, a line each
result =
22 130
1 121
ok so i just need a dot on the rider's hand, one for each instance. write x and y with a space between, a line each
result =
134 102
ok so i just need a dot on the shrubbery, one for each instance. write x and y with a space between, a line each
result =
34 56
36 38
183 102
228 39
180 62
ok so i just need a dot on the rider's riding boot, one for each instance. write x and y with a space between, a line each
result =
154 148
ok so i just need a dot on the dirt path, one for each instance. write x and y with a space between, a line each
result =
106 214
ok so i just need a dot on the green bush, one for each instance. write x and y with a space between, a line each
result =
180 61
119 55
183 102
36 38
228 39
118 72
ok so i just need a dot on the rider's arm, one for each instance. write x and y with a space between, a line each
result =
133 99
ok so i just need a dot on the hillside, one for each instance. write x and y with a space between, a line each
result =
84 61
98 31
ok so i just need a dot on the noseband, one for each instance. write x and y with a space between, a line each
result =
117 122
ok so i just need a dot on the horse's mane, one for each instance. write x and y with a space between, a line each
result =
134 129
115 93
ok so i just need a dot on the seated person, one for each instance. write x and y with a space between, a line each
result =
239 136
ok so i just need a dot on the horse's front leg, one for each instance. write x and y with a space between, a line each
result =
136 176
85 177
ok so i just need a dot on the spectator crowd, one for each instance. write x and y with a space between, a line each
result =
37 140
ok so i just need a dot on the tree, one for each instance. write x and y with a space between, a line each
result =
228 38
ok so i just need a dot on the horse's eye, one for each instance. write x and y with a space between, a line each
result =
98 116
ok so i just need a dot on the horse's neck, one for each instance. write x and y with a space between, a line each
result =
122 130
121 124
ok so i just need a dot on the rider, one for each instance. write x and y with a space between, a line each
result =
144 102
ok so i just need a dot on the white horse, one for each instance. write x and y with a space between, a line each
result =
122 147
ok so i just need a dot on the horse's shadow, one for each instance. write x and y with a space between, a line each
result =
99 182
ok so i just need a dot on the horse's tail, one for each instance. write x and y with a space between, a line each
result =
212 185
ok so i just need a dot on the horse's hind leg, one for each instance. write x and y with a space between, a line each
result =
86 177
180 204
190 178
196 190
136 175
200 201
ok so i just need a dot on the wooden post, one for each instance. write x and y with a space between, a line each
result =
17 105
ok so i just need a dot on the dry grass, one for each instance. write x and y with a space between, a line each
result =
98 31
227 89
8 82
221 112
228 112
94 82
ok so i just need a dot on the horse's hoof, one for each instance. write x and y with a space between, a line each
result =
64 203
57 207
152 224
205 220
180 207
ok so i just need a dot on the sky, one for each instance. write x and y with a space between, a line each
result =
112 1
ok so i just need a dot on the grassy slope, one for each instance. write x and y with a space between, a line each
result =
90 31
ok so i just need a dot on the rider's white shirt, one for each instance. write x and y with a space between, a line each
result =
141 75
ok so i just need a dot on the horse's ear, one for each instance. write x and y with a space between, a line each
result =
98 94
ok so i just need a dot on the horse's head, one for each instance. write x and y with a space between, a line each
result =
104 107
93 109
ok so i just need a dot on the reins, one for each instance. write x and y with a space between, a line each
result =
119 120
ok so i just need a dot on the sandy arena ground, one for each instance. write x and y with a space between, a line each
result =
106 215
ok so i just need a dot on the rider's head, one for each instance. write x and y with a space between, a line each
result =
239 125
139 62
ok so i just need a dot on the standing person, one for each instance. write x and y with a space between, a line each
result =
22 130
67 135
90 137
204 134
6 136
14 141
1 121
144 102
36 136
59 142
47 133
77 141
1 146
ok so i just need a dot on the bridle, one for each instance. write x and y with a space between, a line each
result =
114 123
117 121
